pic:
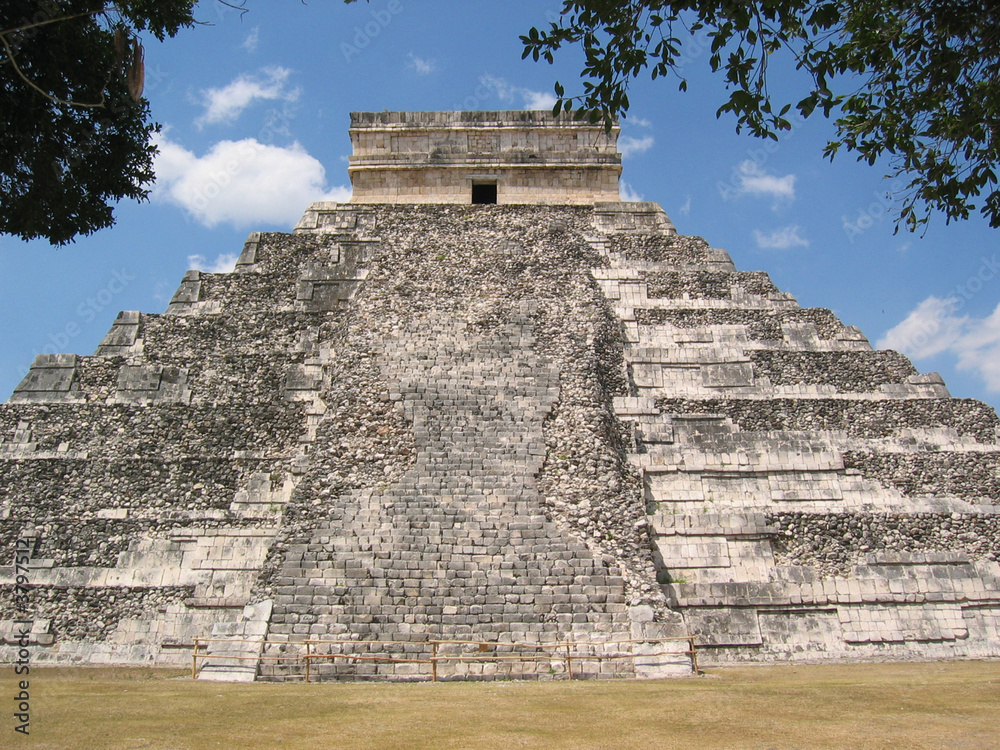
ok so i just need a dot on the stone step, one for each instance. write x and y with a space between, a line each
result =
236 646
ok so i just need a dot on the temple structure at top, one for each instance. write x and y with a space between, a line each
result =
515 157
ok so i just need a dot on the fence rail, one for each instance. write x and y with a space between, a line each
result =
309 651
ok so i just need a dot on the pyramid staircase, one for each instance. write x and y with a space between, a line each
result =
513 424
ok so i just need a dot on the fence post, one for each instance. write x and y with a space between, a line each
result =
434 661
569 663
194 661
307 660
694 655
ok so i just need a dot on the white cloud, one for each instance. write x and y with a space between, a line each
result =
507 92
227 103
538 99
164 291
242 183
250 43
338 194
751 179
642 122
929 329
627 193
225 263
979 349
629 146
499 86
934 327
686 208
422 66
781 239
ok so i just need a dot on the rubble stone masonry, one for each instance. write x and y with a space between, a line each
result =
549 419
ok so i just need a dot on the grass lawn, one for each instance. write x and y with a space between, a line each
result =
927 705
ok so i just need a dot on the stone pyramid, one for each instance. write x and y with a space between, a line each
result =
489 401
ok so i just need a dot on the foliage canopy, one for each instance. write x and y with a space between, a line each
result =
915 81
74 129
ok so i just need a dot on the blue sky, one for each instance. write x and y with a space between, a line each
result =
255 116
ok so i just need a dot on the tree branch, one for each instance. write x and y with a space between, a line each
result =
43 92
27 26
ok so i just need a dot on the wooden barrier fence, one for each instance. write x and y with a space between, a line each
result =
562 651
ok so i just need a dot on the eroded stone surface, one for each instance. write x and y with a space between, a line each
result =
519 157
498 422
809 497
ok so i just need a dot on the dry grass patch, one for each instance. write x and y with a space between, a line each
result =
927 705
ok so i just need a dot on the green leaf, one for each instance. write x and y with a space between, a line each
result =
915 83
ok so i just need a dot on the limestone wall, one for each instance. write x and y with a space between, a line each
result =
510 422
808 497
395 424
149 478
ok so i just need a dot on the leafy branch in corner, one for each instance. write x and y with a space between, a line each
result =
75 130
915 83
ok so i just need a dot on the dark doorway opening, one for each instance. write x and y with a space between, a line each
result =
484 192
